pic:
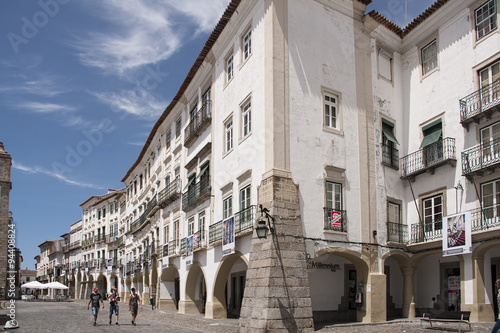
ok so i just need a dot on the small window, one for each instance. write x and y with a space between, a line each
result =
228 135
390 154
486 19
246 111
178 128
393 213
432 143
247 44
227 207
385 64
191 226
201 222
433 215
245 198
334 196
331 112
429 57
229 68
168 139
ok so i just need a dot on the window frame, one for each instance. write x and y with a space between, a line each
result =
488 18
229 67
168 139
178 126
246 44
383 52
338 119
428 43
246 122
387 143
245 197
227 207
228 141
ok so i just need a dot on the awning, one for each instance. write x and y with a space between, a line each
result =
431 138
388 134
203 170
190 181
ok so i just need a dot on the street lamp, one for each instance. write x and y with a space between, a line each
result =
263 228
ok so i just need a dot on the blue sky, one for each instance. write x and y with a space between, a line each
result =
81 85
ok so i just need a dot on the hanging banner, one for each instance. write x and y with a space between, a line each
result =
86 267
110 266
98 267
164 262
189 250
132 269
457 234
142 263
228 236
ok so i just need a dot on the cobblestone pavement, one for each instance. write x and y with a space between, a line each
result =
74 317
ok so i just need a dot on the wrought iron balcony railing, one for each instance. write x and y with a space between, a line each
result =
198 123
174 247
243 221
197 193
335 220
428 158
480 102
427 231
199 241
137 224
111 238
390 156
486 219
483 156
170 193
397 233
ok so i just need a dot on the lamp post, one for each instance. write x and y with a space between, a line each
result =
262 227
459 186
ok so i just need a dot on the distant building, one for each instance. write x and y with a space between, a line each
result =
25 276
5 187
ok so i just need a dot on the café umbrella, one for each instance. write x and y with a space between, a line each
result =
56 285
34 285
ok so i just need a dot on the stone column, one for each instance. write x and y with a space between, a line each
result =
277 296
480 311
408 292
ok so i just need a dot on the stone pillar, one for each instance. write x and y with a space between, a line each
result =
376 298
5 187
408 292
277 296
480 311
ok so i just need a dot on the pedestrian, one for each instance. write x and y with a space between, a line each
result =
95 297
496 328
133 304
114 298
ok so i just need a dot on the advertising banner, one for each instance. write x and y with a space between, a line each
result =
164 263
189 250
228 236
110 266
336 221
457 234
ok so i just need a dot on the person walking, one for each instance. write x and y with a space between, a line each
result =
133 304
114 298
95 297
496 328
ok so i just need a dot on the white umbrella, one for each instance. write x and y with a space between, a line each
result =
56 285
34 285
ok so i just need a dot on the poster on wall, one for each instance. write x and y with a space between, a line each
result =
228 236
189 250
457 234
164 262
110 266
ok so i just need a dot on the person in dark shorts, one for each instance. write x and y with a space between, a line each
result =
114 298
133 304
95 297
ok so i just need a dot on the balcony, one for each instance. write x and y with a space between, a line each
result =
335 220
428 231
480 104
99 238
481 158
119 241
485 220
75 244
111 238
170 193
428 158
198 124
243 221
197 193
141 221
199 241
397 233
173 248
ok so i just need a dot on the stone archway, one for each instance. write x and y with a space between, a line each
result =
216 307
194 292
169 289
399 283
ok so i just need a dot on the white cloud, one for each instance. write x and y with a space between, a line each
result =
43 85
145 31
38 107
137 102
66 114
59 176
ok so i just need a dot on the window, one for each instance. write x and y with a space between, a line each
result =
489 79
169 134
177 172
432 144
201 223
227 207
140 181
247 118
385 64
135 187
247 44
165 234
433 215
490 144
205 100
191 226
99 214
331 110
334 196
104 212
486 19
229 135
229 68
393 213
178 128
245 198
490 193
429 57
395 230
390 155
176 233
334 217
116 206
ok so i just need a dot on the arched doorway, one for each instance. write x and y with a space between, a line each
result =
393 264
169 289
229 286
195 290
